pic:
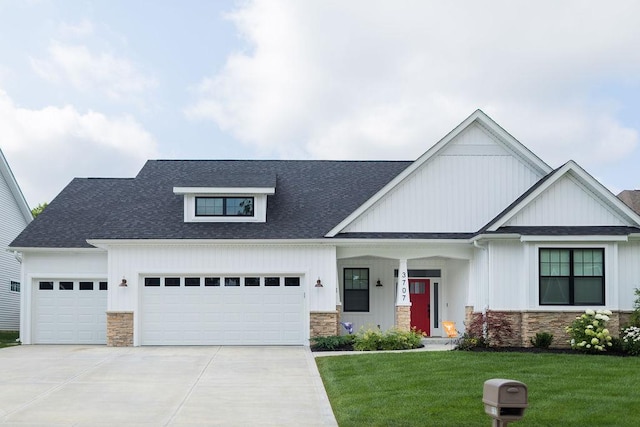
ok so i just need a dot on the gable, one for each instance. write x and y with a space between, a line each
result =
469 180
568 202
10 194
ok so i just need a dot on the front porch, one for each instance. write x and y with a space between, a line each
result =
418 290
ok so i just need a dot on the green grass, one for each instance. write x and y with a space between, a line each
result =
445 388
8 338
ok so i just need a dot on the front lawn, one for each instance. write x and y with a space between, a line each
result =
8 338
445 388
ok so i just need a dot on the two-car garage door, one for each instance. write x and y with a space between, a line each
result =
219 310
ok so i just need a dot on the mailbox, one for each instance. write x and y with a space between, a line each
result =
504 400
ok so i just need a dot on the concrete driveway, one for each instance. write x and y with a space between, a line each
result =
161 386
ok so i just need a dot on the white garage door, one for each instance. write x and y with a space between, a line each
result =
70 312
258 310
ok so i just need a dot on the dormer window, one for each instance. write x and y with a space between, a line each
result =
227 204
224 206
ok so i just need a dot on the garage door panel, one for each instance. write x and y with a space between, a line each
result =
69 316
241 315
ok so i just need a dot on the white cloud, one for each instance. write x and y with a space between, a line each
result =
116 77
80 29
379 79
46 148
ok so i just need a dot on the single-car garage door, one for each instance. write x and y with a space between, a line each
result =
214 310
69 312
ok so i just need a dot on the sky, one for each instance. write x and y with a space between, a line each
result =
92 88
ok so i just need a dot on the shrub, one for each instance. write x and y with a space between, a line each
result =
493 327
634 319
468 342
542 340
631 340
588 332
333 342
393 339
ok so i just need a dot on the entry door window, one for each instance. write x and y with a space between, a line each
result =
356 289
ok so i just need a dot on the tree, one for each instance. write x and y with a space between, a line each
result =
38 209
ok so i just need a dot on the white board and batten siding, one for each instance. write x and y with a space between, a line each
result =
213 315
460 189
628 273
12 222
567 203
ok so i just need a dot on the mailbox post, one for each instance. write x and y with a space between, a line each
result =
504 400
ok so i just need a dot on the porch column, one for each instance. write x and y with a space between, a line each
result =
403 301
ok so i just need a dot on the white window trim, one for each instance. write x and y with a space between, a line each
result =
259 209
609 279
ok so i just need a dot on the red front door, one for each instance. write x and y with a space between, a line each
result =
420 304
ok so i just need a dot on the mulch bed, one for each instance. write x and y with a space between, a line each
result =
543 350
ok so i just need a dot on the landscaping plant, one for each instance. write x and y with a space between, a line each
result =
589 333
333 342
542 340
491 328
393 339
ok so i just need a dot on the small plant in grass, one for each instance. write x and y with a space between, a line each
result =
333 342
631 340
393 339
542 340
589 332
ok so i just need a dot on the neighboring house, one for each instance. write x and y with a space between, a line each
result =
631 198
14 217
276 252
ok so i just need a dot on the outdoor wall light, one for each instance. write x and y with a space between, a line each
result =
319 283
378 284
123 284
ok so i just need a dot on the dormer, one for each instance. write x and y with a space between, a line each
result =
230 199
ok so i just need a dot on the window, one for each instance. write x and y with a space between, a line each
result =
212 281
15 286
152 281
292 281
571 276
66 286
103 286
356 289
252 281
272 281
192 281
232 281
224 206
46 286
172 281
86 286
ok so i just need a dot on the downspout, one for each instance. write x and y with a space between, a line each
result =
18 256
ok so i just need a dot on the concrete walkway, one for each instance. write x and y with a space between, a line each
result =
161 386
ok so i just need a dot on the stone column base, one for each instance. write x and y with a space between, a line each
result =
119 329
403 317
323 323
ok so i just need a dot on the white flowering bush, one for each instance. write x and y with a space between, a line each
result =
631 340
589 331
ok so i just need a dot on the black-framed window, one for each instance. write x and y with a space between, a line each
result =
252 281
192 281
356 289
224 206
14 286
171 281
292 281
571 276
272 281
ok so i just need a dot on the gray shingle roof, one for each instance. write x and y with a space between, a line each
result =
311 197
631 198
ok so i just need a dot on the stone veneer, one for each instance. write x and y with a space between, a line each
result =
526 324
403 317
119 328
323 323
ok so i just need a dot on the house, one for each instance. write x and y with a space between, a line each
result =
275 252
14 217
